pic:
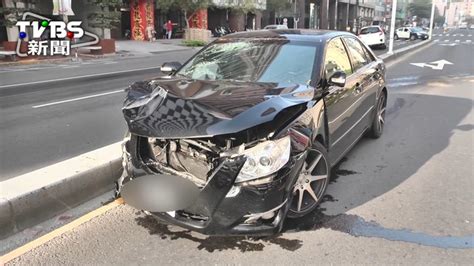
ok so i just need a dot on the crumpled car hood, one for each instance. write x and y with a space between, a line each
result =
183 108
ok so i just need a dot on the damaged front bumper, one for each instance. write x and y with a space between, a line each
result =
223 207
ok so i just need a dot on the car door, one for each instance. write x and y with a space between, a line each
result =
406 33
367 76
339 100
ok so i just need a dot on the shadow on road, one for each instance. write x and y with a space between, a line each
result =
417 127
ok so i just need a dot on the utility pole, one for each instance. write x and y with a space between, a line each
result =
295 21
432 19
392 26
357 17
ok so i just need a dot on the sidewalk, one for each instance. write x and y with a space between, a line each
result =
144 47
124 48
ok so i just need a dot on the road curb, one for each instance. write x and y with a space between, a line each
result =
399 52
34 197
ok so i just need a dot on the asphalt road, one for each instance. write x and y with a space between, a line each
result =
44 123
47 109
405 198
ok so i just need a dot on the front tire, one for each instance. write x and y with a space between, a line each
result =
311 185
395 37
378 122
413 37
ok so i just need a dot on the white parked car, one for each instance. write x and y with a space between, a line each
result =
276 27
373 36
412 33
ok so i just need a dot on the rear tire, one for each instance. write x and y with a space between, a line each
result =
378 122
312 182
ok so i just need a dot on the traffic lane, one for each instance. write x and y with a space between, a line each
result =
455 33
83 117
54 71
61 120
34 138
403 198
460 56
37 94
397 44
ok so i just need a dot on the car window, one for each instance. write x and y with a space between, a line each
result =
336 58
357 53
368 55
369 30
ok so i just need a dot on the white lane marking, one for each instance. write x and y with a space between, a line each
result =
78 99
446 35
14 70
436 40
77 77
446 40
109 63
73 66
457 41
462 35
404 78
468 41
436 65
470 35
448 44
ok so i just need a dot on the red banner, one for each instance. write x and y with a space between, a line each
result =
199 19
142 15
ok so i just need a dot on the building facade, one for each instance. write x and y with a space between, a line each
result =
455 11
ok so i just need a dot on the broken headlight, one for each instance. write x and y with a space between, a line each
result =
264 159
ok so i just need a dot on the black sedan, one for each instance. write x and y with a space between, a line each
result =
244 134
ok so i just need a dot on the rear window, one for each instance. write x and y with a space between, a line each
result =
370 30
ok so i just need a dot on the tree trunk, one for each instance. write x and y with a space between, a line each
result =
185 12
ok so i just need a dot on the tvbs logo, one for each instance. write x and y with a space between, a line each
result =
50 37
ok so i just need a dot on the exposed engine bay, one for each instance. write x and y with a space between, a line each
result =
192 158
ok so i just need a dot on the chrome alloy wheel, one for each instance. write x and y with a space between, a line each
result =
311 184
381 113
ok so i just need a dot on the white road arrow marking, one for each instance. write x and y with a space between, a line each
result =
436 65
448 44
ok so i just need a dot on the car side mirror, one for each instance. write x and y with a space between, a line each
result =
338 78
169 68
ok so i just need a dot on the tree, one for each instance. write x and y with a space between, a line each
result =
469 20
186 6
10 15
438 19
105 14
420 8
278 6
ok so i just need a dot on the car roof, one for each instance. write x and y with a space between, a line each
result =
291 34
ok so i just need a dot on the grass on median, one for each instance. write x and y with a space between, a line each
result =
194 43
